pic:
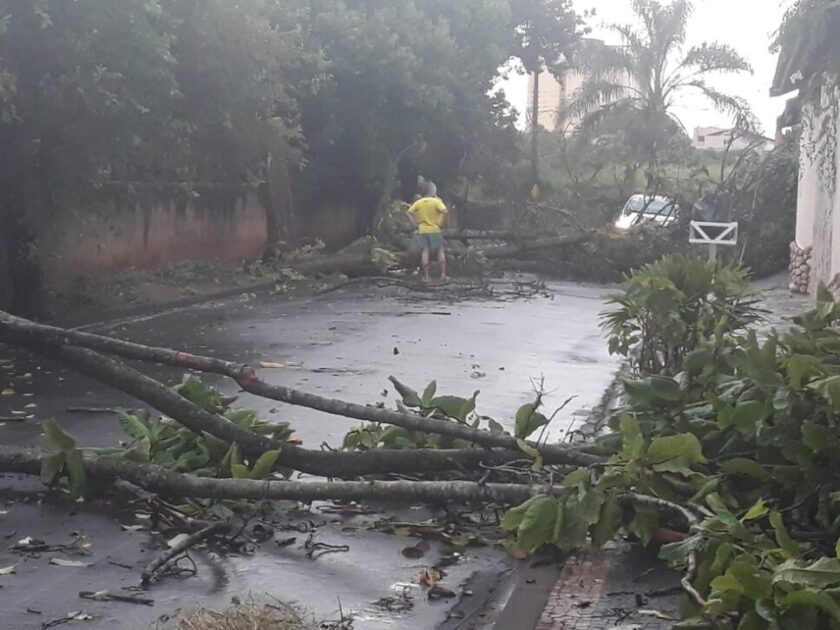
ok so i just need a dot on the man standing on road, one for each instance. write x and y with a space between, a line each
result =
428 215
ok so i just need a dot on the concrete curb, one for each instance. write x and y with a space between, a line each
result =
145 310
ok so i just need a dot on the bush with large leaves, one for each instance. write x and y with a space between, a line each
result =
666 309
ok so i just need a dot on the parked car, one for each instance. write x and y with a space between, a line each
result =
641 209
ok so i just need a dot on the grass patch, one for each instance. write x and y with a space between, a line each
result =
253 614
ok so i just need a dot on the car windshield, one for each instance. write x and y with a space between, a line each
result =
648 206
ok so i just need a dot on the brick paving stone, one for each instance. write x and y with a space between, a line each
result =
601 590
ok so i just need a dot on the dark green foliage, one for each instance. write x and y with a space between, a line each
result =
528 421
667 309
751 429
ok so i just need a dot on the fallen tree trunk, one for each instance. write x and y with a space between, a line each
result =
18 331
522 247
159 480
482 235
331 464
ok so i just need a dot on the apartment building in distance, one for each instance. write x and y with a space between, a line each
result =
555 94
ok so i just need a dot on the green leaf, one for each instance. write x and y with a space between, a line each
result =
240 471
746 467
51 467
76 474
57 437
525 423
454 406
608 523
829 389
633 447
789 547
579 478
264 465
537 525
676 554
758 510
533 453
494 426
811 599
685 447
817 437
799 369
743 417
513 517
132 425
645 524
653 391
823 573
429 394
140 452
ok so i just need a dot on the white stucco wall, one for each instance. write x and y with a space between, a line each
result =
818 206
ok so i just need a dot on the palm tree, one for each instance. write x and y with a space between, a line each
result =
641 81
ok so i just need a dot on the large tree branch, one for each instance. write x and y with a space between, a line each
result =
29 334
332 464
162 481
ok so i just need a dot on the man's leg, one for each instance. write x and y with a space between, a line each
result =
442 260
424 263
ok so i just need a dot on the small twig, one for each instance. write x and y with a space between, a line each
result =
180 548
107 596
97 410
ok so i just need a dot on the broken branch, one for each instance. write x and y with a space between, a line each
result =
180 548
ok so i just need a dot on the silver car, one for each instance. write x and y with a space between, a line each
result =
641 209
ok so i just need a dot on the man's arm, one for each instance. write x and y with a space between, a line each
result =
412 215
444 214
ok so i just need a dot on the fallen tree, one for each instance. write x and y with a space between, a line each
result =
52 341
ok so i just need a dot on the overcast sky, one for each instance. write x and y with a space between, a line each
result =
748 25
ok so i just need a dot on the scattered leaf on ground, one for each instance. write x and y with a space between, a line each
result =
439 592
269 365
417 551
7 570
429 578
7 392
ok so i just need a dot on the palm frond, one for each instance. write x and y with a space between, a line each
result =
595 120
595 94
732 105
597 61
715 57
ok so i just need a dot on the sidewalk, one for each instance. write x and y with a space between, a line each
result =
624 586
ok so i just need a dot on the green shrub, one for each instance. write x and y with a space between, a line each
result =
667 308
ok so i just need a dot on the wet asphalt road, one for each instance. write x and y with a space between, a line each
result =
341 345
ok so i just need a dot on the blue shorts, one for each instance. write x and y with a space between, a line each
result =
433 242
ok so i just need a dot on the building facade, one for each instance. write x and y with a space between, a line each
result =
808 68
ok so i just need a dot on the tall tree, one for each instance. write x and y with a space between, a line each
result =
545 34
645 77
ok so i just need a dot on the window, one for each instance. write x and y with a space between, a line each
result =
701 138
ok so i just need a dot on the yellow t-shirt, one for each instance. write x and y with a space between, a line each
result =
429 212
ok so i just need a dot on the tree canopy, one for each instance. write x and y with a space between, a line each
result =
193 91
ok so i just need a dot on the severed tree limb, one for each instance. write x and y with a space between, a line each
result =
157 479
333 464
180 548
515 249
34 336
